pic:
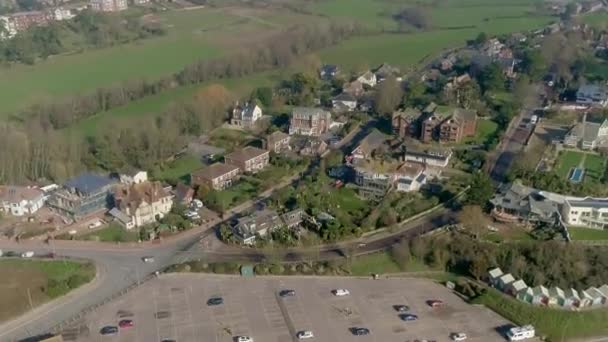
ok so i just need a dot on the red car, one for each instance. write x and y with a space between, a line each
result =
434 303
126 323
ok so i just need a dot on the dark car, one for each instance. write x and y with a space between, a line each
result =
109 330
287 293
401 308
408 317
360 331
213 301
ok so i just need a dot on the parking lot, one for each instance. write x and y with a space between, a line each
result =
174 307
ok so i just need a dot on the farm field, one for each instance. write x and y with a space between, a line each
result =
593 164
44 280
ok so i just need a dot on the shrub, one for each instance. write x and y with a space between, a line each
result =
276 269
76 280
260 269
219 268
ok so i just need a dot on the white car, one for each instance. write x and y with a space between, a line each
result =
341 292
27 254
148 259
244 339
459 336
304 335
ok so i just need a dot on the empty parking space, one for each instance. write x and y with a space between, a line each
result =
175 307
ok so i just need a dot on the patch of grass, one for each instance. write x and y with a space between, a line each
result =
556 324
598 20
577 233
380 263
39 281
179 169
566 161
229 139
112 233
594 167
484 131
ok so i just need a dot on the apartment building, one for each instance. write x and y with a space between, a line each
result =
277 142
405 123
82 196
309 121
141 203
218 176
109 5
249 159
587 212
20 200
449 127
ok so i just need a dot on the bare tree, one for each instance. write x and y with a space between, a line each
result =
473 219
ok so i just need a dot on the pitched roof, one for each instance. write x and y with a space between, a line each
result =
276 136
345 97
410 169
507 278
182 191
367 76
408 113
130 198
215 170
595 293
571 294
246 154
385 70
88 183
540 291
16 194
519 285
495 272
556 292
264 219
371 142
307 112
465 114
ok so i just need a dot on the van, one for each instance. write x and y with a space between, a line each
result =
534 119
27 254
521 333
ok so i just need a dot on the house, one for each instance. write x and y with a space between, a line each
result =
507 64
571 299
344 102
108 5
60 14
447 63
376 177
430 127
410 177
246 116
462 123
277 142
540 295
405 122
504 281
493 275
183 194
587 135
217 176
313 147
135 177
492 47
143 203
518 203
355 88
384 71
557 297
309 121
516 287
249 159
588 212
82 196
9 29
329 71
368 78
20 200
22 21
372 183
259 223
374 140
592 95
428 157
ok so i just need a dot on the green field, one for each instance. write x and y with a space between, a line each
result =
179 169
485 129
112 233
593 164
558 325
587 234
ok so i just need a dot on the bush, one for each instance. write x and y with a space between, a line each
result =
276 269
219 268
232 267
76 280
260 269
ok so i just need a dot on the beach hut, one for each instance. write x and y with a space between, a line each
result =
516 287
494 274
503 281
556 296
540 295
526 295
597 297
573 300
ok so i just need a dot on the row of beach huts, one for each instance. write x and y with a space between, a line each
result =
554 296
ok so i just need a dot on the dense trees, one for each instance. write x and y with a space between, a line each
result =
388 96
417 17
481 189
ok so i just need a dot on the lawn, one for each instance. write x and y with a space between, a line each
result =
566 161
383 263
179 169
484 131
598 20
594 165
112 233
245 189
558 325
587 234
39 281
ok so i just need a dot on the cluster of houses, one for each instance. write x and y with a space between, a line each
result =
554 296
133 200
516 203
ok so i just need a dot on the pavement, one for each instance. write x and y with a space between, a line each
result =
174 307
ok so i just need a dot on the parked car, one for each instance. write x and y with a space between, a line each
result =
196 203
94 225
401 308
28 254
148 259
0 252
306 334
408 317
434 303
340 292
126 323
360 331
244 339
109 330
213 301
458 336
287 293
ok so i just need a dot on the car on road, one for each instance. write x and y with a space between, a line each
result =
401 308
360 331
109 330
340 292
148 259
408 317
126 323
304 335
287 293
28 254
458 336
244 339
213 301
434 303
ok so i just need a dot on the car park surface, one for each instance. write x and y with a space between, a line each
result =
173 307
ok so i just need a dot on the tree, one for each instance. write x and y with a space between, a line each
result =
413 16
264 95
481 189
389 96
571 10
400 253
481 39
492 78
533 64
473 220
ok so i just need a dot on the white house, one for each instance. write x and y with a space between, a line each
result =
141 203
20 200
62 14
587 135
246 116
368 78
134 178
526 295
588 212
410 177
429 158
10 30
344 102
593 95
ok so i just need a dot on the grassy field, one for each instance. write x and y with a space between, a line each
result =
597 20
587 234
593 164
485 129
179 169
558 325
39 280
112 233
383 263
